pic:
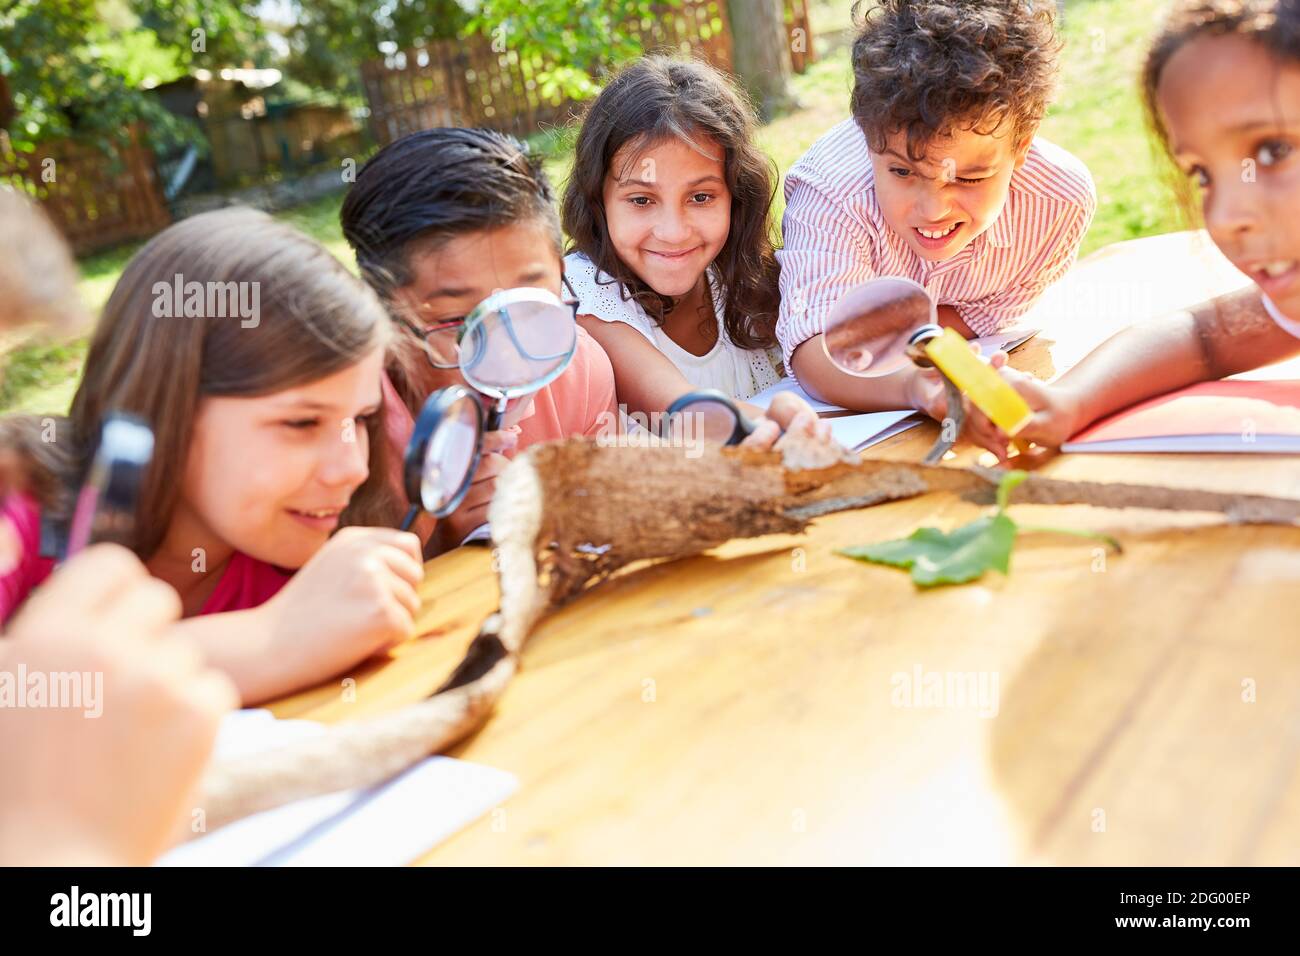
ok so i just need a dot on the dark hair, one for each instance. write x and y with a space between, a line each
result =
431 186
924 67
658 97
1273 24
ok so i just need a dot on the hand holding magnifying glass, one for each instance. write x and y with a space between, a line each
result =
106 504
513 344
886 324
712 416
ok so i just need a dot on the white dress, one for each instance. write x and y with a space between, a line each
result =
740 373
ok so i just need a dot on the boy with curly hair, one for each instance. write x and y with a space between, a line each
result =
938 177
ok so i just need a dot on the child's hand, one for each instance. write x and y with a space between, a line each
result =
108 782
473 510
787 413
356 597
926 391
1057 416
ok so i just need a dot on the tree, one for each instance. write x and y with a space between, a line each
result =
330 39
572 41
75 68
759 55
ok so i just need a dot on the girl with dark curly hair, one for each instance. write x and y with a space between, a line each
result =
671 255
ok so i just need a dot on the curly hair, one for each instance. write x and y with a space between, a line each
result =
655 98
1273 24
925 67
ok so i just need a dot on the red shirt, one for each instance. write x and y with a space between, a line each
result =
245 583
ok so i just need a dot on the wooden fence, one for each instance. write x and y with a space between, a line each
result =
465 82
96 200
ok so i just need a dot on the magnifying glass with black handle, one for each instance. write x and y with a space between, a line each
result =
513 344
706 414
106 505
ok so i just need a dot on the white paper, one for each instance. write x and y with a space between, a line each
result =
856 432
482 533
389 825
1004 341
764 398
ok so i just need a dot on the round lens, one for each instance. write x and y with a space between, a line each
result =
868 328
449 456
703 420
517 342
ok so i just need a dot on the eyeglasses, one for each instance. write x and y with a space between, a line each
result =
443 341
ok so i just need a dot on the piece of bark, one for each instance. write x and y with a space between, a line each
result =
571 513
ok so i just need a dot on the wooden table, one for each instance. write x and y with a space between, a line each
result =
767 702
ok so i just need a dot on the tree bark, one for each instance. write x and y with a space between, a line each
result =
759 54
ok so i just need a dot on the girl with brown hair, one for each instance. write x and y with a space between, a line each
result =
255 358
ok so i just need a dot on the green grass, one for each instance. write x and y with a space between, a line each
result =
1097 116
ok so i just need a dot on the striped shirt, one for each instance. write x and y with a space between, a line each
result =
836 238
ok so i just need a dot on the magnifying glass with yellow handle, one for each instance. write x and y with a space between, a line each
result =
886 324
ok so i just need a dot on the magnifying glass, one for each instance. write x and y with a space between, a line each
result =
106 504
891 322
706 414
443 453
514 343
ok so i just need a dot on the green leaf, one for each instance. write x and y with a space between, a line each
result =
1007 485
935 557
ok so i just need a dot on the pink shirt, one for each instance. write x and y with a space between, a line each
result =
245 583
580 403
835 238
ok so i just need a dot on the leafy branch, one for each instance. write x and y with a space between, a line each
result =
964 554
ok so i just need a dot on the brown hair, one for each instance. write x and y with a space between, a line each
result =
923 67
1273 24
652 99
314 319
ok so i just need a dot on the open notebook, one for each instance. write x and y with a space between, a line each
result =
389 825
856 432
1212 417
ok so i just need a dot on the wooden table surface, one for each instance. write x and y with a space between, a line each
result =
772 702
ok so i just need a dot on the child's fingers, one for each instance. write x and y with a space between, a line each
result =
785 408
804 423
92 580
764 436
983 433
490 466
500 442
402 564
